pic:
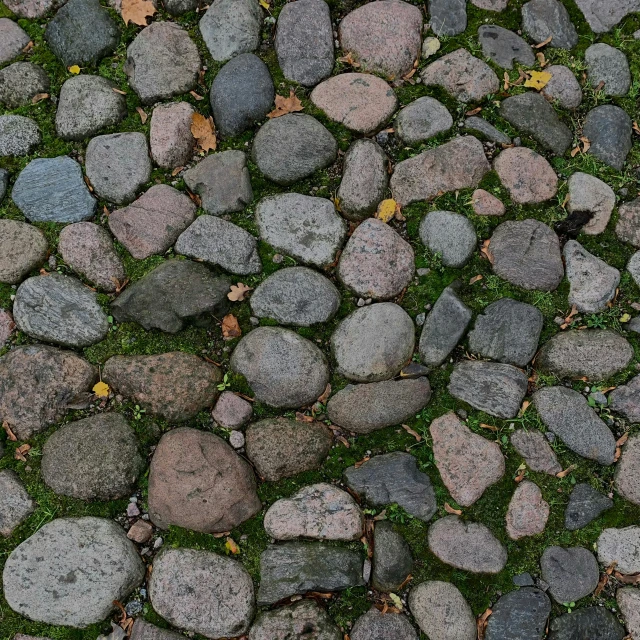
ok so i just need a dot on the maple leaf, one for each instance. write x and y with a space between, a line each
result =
538 79
204 131
230 327
101 389
286 105
386 210
137 11
238 292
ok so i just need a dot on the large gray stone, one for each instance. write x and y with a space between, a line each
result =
449 235
622 547
534 447
504 47
627 479
392 558
382 626
521 614
563 87
486 130
608 128
20 82
571 573
13 40
145 631
528 176
603 16
448 17
590 194
590 623
607 68
625 400
16 504
421 120
528 511
23 248
628 228
585 505
628 600
19 136
542 19
295 622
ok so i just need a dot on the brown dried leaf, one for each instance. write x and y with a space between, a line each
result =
301 417
586 144
197 96
344 441
230 327
286 105
627 579
475 279
348 59
506 81
176 171
325 394
544 43
541 59
88 183
473 112
10 435
120 91
636 128
410 431
21 452
449 509
482 623
521 474
39 97
238 292
489 426
204 131
524 407
484 250
358 464
137 11
575 151
28 47
142 114
566 472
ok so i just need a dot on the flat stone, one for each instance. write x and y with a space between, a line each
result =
297 296
86 105
448 17
7 328
571 573
527 514
536 451
153 222
568 415
140 531
468 546
628 600
373 343
441 610
392 558
292 147
283 369
319 511
281 448
16 504
543 19
465 77
597 354
23 248
495 388
295 622
491 5
13 38
20 82
608 128
71 570
364 408
622 547
145 631
93 459
521 614
230 28
421 120
443 328
304 42
532 114
628 226
298 567
468 463
82 33
585 505
458 164
202 592
507 331
384 37
32 8
170 134
627 478
241 94
590 623
19 136
393 478
602 17
607 68
504 47
175 386
590 194
526 253
232 411
162 62
37 383
563 87
88 249
383 626
486 130
198 482
486 204
449 235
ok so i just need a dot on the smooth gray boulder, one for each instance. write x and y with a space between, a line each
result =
294 622
12 41
609 128
448 17
628 600
534 447
543 19
585 505
622 547
603 16
20 82
571 573
590 623
16 504
449 235
375 624
421 120
625 400
392 558
590 194
23 248
504 47
521 614
19 135
608 69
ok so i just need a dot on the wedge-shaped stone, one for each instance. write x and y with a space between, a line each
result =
528 512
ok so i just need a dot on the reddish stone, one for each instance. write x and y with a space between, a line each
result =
628 471
486 204
528 177
7 326
232 411
32 9
170 136
528 512
536 451
140 532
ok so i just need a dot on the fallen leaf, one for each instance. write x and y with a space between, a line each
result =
348 59
28 47
264 4
484 250
541 59
569 319
88 183
475 279
75 69
230 327
115 90
325 394
449 509
137 11
396 601
586 144
522 470
197 96
507 83
544 43
482 623
358 464
344 441
204 131
10 435
286 105
176 171
473 112
566 472
39 97
622 440
21 452
410 431
142 114
489 426
538 79
301 417
575 151
101 389
524 407
386 210
231 546
398 213
627 579
636 128
238 292
410 75
619 444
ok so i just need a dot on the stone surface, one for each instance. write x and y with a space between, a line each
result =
504 47
607 68
320 511
563 87
86 105
373 343
603 17
364 408
628 226
19 136
542 19
37 383
590 623
7 328
468 546
590 194
468 463
153 223
486 204
527 176
449 235
13 40
448 17
72 317
297 296
170 135
585 505
71 570
145 631
528 512
571 573
421 120
162 62
281 448
458 164
304 42
232 411
521 614
441 610
23 248
527 253
382 626
20 82
536 451
175 386
292 147
466 78
393 478
283 369
627 477
486 130
88 249
32 8
298 621
16 504
298 567
495 388
174 294
376 262
198 482
608 128
392 559
202 592
628 600
621 546
567 413
93 459
491 5
596 354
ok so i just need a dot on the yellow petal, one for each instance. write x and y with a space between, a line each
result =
75 69
101 389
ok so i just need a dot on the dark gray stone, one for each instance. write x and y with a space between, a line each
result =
607 68
381 626
504 47
571 573
298 567
590 623
178 7
609 128
23 248
393 478
625 400
241 94
585 505
542 19
82 33
519 615
533 115
298 621
450 235
19 136
392 559
16 504
486 130
20 82
523 580
422 119
448 17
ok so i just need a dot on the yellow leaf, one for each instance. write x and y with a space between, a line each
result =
538 79
232 546
386 210
101 389
137 11
204 132
625 318
75 69
264 4
396 601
